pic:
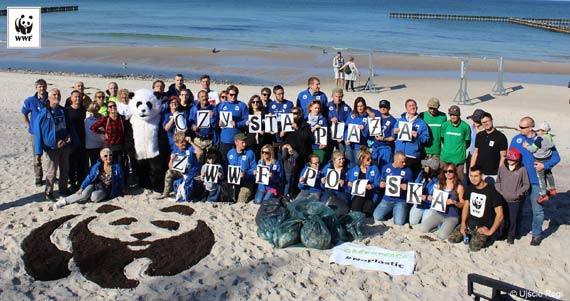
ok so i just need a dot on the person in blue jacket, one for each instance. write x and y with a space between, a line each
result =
316 120
427 177
54 134
359 117
419 135
245 159
395 204
364 171
383 145
273 189
204 133
339 164
526 134
240 115
105 181
172 123
338 113
312 93
31 108
306 190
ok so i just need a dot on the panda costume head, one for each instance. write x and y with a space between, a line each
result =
145 120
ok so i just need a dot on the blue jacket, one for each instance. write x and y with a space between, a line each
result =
245 160
276 176
343 176
117 178
322 122
340 112
193 120
387 124
318 184
240 114
405 173
33 106
413 148
358 120
45 132
527 158
277 108
372 175
305 97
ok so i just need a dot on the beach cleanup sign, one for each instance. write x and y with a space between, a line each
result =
374 258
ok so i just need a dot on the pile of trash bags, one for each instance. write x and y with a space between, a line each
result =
308 221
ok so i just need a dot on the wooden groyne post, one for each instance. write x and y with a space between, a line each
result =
53 9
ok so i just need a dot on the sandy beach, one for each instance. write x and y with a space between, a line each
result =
242 266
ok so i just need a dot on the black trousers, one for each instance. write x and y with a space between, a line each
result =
151 176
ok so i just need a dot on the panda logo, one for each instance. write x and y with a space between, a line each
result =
103 244
24 25
477 203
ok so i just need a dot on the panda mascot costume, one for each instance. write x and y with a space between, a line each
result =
145 121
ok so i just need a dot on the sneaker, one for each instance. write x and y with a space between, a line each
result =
542 199
163 196
552 192
39 182
535 241
511 240
49 197
60 203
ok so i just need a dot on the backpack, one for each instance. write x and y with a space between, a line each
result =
347 69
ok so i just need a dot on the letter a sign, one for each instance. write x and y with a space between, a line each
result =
405 133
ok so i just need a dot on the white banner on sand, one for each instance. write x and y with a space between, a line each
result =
374 258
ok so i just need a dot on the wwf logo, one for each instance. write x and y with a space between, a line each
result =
24 25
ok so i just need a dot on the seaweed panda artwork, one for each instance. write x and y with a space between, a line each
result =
105 242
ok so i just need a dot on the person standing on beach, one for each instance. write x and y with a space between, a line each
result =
419 135
77 154
245 159
203 133
351 73
338 113
213 96
476 127
277 107
313 92
490 149
265 98
434 119
112 91
338 61
31 109
383 145
175 88
456 137
85 100
239 116
526 134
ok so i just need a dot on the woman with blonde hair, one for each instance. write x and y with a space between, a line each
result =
272 189
364 171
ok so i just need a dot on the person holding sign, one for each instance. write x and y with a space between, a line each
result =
230 127
382 134
427 178
338 114
171 122
183 162
363 181
309 182
313 93
203 120
301 139
212 175
334 179
449 182
277 107
256 135
482 212
356 131
271 188
394 178
318 125
245 159
411 132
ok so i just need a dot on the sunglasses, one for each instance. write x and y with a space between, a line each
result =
448 171
265 152
296 113
108 156
99 96
233 95
384 107
112 106
222 96
315 163
265 94
523 127
256 102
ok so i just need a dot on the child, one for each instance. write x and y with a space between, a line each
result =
542 151
188 171
289 156
316 190
265 192
512 183
212 190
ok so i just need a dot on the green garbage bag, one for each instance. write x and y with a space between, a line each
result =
269 221
348 227
287 233
315 234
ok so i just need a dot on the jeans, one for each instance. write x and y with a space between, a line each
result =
214 195
57 159
398 209
38 171
91 191
287 186
262 195
537 211
418 214
351 154
513 218
434 219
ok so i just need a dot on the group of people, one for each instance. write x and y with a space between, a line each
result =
430 169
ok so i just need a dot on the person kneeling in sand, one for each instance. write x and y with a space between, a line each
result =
105 180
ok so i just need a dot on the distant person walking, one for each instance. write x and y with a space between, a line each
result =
351 71
338 61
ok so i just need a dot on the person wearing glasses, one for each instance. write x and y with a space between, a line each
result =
365 170
428 178
114 128
359 117
54 134
31 109
448 181
312 93
277 107
456 137
240 115
273 189
105 181
257 140
306 191
265 97
100 100
490 149
434 118
112 90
